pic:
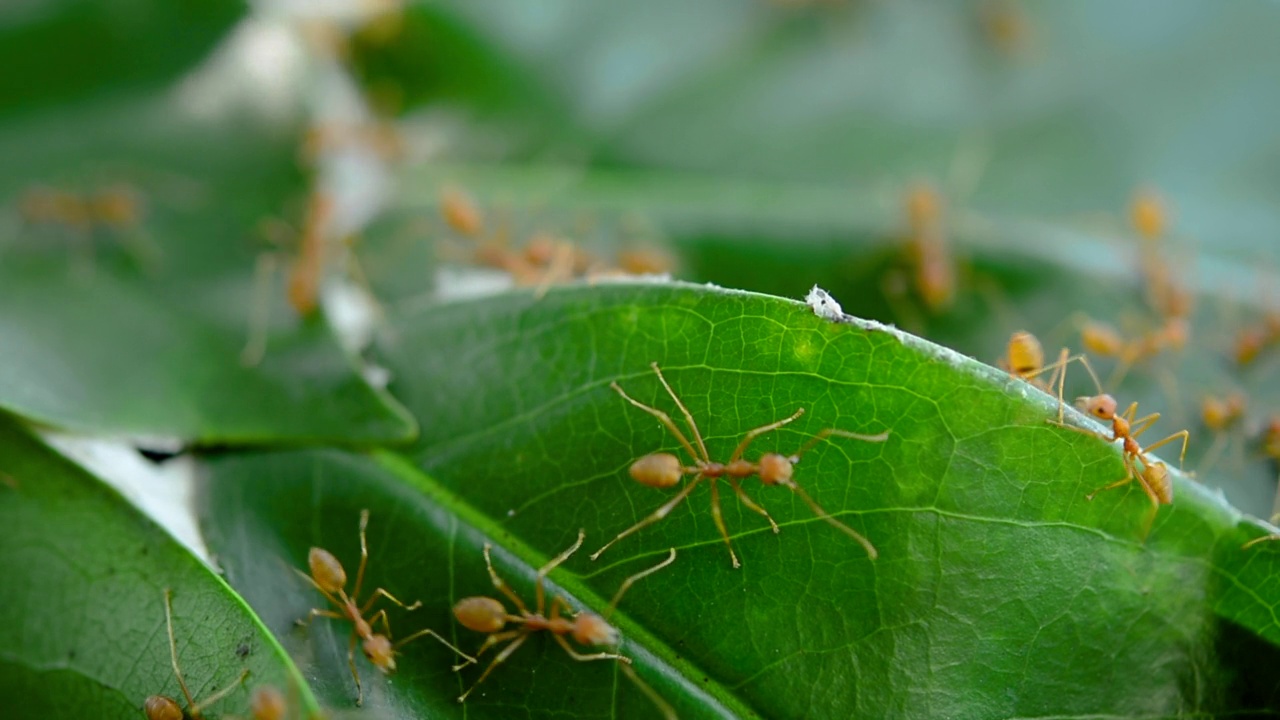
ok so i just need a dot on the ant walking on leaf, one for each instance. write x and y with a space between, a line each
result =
1151 475
329 577
160 707
664 470
488 615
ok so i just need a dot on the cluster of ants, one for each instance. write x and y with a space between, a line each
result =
929 260
371 630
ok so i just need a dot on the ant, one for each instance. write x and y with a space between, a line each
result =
1024 359
1152 475
1099 338
1218 415
928 251
161 707
488 615
329 577
664 470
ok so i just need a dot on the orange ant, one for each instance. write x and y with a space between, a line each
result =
1099 338
664 470
1218 415
161 707
1024 359
1005 25
329 577
1151 474
307 269
927 248
488 615
461 212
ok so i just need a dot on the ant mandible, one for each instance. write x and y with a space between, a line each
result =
160 707
664 470
329 577
488 615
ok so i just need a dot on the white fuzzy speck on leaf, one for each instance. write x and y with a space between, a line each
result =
823 305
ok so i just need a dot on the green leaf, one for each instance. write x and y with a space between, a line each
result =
425 544
999 589
783 237
141 329
82 619
60 50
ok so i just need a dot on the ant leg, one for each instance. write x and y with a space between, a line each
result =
751 505
626 584
1142 424
823 514
502 657
469 660
715 515
316 612
555 562
688 416
1130 472
588 658
1180 434
560 269
500 585
386 624
491 641
316 585
654 517
364 553
173 646
668 712
663 418
255 347
1257 540
829 432
753 434
355 673
380 592
194 710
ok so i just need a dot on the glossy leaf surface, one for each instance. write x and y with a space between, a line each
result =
83 629
999 590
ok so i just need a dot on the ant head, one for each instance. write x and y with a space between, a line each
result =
266 703
658 470
326 570
775 469
1025 353
1157 476
590 629
1147 213
159 707
380 653
482 614
923 205
1101 406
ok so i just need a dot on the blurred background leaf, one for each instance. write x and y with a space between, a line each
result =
72 50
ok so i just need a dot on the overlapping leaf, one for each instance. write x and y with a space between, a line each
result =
83 610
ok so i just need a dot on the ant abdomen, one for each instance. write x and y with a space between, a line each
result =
326 570
159 707
481 614
658 470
